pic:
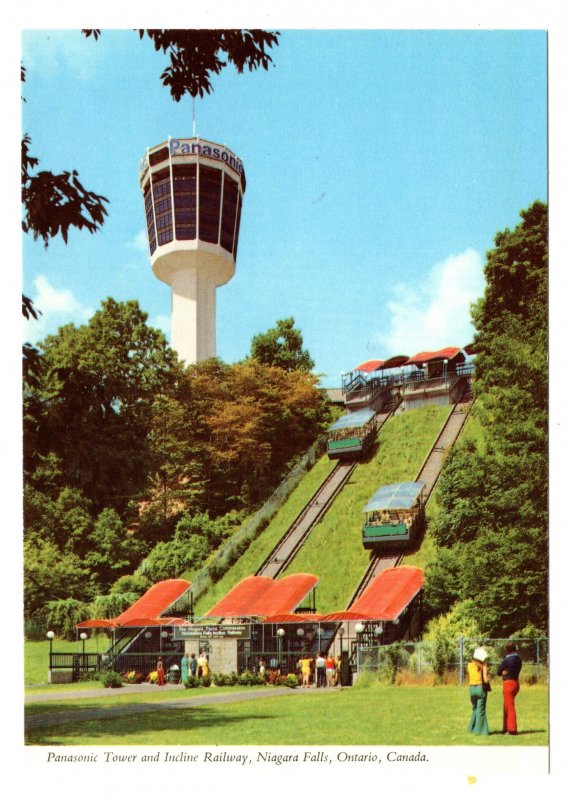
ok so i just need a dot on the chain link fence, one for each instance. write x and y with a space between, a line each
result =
446 660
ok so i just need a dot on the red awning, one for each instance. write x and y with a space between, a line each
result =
147 610
258 596
96 623
285 619
389 594
395 361
369 366
450 353
155 601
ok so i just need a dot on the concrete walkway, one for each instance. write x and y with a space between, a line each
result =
194 699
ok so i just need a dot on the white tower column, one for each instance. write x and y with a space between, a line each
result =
194 314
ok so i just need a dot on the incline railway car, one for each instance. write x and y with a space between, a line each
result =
352 434
394 516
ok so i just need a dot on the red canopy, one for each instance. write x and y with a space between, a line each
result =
147 610
437 355
369 366
389 594
261 596
395 361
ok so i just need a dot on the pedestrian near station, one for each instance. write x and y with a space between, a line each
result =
478 678
509 671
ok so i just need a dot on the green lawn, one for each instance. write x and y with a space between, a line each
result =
36 655
334 550
395 715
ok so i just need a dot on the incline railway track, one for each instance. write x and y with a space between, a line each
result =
287 548
428 474
293 539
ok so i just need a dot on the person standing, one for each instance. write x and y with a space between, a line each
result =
160 672
320 671
193 665
184 668
330 669
305 666
478 677
509 671
200 664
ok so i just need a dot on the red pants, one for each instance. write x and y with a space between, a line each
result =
511 688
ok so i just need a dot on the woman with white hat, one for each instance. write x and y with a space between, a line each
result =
478 677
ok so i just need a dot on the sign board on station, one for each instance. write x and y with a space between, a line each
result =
211 632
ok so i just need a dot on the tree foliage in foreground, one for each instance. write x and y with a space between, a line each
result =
282 346
493 523
131 457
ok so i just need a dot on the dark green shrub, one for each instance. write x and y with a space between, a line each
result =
395 658
291 681
192 682
111 680
218 679
206 680
443 654
84 677
246 678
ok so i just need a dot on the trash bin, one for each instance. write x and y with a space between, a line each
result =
174 674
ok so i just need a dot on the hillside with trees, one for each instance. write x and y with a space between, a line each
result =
129 456
492 529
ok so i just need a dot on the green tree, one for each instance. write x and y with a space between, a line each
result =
493 519
282 346
93 407
53 574
111 551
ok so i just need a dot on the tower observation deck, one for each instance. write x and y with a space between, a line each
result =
192 192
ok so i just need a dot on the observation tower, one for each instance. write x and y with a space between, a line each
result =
192 191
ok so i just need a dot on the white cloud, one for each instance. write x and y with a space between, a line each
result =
58 307
139 242
435 313
56 52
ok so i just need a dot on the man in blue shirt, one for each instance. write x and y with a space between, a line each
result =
509 671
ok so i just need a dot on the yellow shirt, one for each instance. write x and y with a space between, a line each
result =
474 673
305 664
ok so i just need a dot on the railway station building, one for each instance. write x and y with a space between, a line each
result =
260 619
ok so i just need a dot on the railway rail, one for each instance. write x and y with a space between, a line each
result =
291 542
429 473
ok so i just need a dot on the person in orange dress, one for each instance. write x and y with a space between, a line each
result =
160 673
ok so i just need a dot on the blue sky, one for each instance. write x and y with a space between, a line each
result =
380 165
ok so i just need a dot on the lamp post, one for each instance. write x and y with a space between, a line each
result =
50 635
359 628
83 637
341 635
319 635
280 634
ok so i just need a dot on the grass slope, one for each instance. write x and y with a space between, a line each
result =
395 715
254 556
334 550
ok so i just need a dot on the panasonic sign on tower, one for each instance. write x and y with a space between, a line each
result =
193 190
